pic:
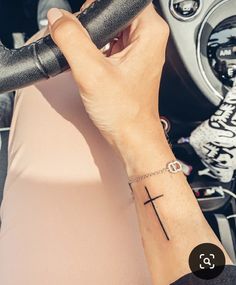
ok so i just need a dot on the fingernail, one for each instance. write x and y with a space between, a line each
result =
54 15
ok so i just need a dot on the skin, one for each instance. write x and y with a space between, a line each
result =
120 91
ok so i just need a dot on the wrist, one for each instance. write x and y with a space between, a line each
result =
144 148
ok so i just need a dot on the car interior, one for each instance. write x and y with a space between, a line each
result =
201 66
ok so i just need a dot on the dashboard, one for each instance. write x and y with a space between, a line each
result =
204 39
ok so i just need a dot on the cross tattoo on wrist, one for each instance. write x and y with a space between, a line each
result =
151 201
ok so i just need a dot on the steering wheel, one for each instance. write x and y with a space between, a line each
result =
103 20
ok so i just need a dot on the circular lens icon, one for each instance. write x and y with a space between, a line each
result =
207 261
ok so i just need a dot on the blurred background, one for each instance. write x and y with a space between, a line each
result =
20 16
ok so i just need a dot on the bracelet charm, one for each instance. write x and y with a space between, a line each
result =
174 167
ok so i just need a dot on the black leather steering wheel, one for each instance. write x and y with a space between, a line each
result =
103 20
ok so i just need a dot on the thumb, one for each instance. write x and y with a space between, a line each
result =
75 43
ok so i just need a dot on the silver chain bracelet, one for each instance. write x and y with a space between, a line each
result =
172 167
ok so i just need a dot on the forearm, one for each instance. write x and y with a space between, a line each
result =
173 224
120 103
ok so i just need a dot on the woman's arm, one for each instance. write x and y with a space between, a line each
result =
172 225
120 95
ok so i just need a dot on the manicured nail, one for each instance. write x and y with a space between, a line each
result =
54 15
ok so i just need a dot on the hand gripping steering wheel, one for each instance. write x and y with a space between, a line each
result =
103 20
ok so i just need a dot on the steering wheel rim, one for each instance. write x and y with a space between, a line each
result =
103 20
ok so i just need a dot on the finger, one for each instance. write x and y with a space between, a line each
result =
86 4
149 22
116 46
147 35
73 40
105 50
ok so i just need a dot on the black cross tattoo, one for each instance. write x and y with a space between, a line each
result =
151 200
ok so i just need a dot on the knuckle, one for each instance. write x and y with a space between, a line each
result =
165 29
65 29
161 28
